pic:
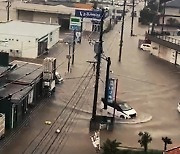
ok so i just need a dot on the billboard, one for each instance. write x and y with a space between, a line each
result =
96 14
111 90
75 23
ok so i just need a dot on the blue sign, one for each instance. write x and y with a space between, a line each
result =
75 27
111 90
88 14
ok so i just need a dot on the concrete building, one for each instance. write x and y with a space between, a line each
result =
166 48
172 13
48 14
29 40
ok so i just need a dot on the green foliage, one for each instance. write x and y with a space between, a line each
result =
110 147
147 15
166 141
145 139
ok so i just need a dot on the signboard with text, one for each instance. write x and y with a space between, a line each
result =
75 23
96 14
111 90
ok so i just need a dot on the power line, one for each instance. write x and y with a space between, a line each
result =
78 84
69 116
63 110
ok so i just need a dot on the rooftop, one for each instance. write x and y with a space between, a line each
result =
175 150
12 89
31 29
58 9
3 70
25 72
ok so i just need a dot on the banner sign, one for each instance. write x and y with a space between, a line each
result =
111 90
88 14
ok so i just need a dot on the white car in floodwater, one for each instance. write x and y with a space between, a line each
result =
178 107
122 109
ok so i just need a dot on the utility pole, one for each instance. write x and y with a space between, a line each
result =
69 57
132 21
98 67
122 31
7 7
107 82
73 47
164 11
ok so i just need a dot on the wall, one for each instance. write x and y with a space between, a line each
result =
45 17
25 15
172 11
53 38
19 46
48 18
165 53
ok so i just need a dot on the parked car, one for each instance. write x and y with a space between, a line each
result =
178 32
58 78
178 107
146 47
122 109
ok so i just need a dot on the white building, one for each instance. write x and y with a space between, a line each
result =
25 39
172 11
165 53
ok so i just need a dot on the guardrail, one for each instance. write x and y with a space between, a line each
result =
169 39
166 41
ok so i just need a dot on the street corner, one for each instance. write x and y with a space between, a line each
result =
141 118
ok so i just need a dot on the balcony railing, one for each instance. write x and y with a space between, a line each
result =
166 41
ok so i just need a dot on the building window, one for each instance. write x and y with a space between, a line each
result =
10 50
17 40
17 51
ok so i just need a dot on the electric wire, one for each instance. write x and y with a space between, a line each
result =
71 122
27 86
69 116
78 84
52 126
9 70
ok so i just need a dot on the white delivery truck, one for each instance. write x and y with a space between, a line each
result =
2 125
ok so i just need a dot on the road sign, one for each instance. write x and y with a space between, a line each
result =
75 27
75 23
111 90
88 14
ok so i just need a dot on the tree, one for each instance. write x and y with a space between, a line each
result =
145 139
147 15
166 141
110 147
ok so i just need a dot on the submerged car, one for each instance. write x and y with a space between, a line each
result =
178 107
146 47
121 109
58 78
